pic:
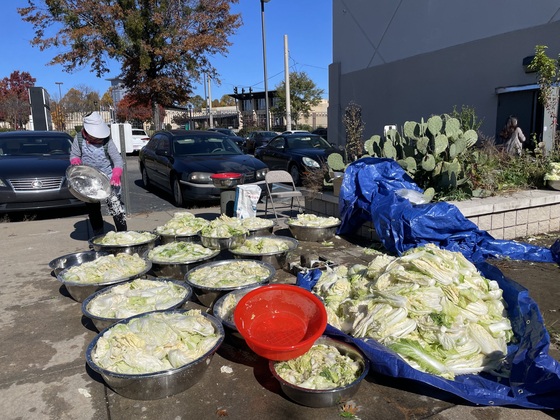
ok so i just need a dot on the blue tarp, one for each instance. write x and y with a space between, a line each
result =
368 193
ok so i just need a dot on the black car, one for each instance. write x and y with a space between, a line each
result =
33 171
182 161
257 139
295 153
240 141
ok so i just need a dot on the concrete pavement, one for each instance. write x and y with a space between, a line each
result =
44 336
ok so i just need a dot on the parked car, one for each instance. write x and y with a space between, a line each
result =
296 132
240 141
295 153
257 139
321 132
139 139
33 171
182 161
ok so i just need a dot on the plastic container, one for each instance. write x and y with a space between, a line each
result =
280 322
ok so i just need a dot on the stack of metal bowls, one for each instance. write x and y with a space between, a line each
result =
131 249
209 295
222 243
276 259
60 263
313 233
102 322
328 397
157 385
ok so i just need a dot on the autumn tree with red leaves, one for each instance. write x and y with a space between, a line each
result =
162 45
131 110
14 98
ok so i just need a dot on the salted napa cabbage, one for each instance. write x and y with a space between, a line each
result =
313 220
239 273
322 367
253 223
182 223
155 342
224 227
262 246
105 269
125 238
136 297
179 252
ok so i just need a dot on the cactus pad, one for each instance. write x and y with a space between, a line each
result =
452 127
410 129
470 137
410 165
336 162
440 144
389 151
435 124
422 145
428 163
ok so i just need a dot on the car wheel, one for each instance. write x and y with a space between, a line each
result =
145 179
177 192
294 172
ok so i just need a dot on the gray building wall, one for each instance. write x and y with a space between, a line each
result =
409 60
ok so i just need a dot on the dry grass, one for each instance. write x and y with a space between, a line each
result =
314 181
5 219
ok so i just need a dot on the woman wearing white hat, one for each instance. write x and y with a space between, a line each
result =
93 146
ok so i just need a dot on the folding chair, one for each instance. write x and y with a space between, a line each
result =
286 183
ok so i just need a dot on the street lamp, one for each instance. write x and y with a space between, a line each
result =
264 60
60 106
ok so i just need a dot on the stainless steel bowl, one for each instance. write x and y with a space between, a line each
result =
166 238
153 386
275 259
222 243
176 270
139 248
60 263
329 397
261 231
555 185
80 291
101 322
87 183
313 233
209 295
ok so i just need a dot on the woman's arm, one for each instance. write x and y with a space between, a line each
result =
114 154
520 134
75 152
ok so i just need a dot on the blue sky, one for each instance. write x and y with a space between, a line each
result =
308 24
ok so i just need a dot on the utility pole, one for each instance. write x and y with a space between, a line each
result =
210 104
287 83
264 61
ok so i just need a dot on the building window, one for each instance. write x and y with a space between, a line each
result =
261 104
247 105
275 102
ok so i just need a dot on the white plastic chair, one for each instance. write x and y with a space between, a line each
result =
288 190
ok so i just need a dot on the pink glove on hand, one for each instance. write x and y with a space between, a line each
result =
116 178
75 161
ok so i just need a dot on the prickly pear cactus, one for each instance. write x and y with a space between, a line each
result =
336 162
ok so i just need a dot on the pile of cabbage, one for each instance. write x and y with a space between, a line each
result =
554 173
156 342
254 223
322 367
224 227
266 245
313 220
235 274
125 238
182 223
179 252
136 297
106 268
430 305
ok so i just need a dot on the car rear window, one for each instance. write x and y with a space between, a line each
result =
307 142
139 133
35 145
197 146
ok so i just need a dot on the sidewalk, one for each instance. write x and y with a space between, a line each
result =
44 338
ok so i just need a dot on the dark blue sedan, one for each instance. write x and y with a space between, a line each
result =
295 153
182 162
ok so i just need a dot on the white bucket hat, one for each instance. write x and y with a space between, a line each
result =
95 126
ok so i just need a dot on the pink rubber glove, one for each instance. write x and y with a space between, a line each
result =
116 178
75 161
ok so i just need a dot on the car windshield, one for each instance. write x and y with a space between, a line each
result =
139 133
307 142
34 145
204 145
267 134
225 131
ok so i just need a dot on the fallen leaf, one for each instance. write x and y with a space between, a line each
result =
222 413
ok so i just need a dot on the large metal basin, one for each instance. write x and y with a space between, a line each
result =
166 239
60 263
139 248
222 243
153 386
80 291
177 270
101 322
87 183
313 233
209 295
329 397
275 259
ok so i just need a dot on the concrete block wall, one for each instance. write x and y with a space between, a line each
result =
521 214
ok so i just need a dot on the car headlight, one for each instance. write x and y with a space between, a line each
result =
261 173
310 163
200 177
